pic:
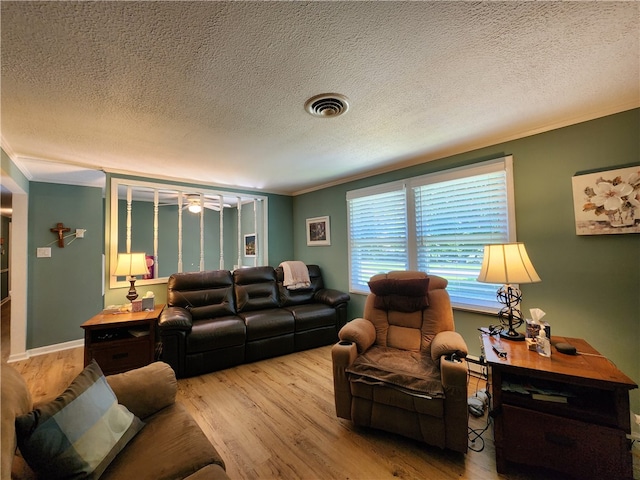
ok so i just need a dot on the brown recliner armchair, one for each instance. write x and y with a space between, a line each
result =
402 367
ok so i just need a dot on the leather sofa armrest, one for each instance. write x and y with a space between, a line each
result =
145 390
359 331
447 343
331 297
175 318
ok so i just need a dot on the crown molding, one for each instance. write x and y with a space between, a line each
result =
477 144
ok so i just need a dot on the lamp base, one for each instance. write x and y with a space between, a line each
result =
510 316
512 335
132 294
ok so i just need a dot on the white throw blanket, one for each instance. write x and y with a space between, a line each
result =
296 275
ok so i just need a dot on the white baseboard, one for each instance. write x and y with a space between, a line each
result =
34 352
18 357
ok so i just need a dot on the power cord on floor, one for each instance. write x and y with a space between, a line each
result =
475 434
476 442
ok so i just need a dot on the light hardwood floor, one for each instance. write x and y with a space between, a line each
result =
276 419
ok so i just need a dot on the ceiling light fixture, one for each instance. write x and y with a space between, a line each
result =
194 208
327 105
194 205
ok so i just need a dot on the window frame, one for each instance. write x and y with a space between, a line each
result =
504 163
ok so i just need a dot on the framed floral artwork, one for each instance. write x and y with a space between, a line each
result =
318 231
607 202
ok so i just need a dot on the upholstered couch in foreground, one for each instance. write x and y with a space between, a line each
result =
218 319
170 445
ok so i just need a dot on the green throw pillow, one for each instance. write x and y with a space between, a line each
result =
79 433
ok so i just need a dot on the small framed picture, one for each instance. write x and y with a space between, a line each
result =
250 245
318 231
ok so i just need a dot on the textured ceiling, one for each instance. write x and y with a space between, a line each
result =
214 91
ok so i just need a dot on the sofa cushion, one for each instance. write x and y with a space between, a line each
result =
80 432
255 288
268 323
300 296
205 294
215 333
171 446
158 382
313 315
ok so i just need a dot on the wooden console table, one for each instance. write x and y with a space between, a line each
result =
568 413
121 341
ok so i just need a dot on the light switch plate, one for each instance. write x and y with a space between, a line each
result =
43 252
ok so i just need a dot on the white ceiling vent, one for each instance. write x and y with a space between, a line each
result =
327 105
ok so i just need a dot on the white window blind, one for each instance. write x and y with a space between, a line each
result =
454 220
451 216
377 233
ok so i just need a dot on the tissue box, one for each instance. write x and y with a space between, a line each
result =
148 303
136 305
533 329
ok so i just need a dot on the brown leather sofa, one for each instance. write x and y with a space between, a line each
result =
170 446
218 319
401 367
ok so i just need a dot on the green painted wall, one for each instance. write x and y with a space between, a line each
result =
590 285
65 290
280 229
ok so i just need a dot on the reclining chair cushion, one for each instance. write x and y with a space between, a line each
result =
401 295
413 373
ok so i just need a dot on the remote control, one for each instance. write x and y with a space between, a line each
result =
502 353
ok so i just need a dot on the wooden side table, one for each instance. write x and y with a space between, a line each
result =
121 341
568 413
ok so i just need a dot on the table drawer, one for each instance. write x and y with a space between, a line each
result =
582 450
121 357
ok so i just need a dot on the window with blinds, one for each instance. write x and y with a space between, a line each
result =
437 223
377 223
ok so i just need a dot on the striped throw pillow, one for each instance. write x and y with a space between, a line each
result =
79 433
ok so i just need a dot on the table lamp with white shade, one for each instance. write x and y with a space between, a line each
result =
130 265
508 264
